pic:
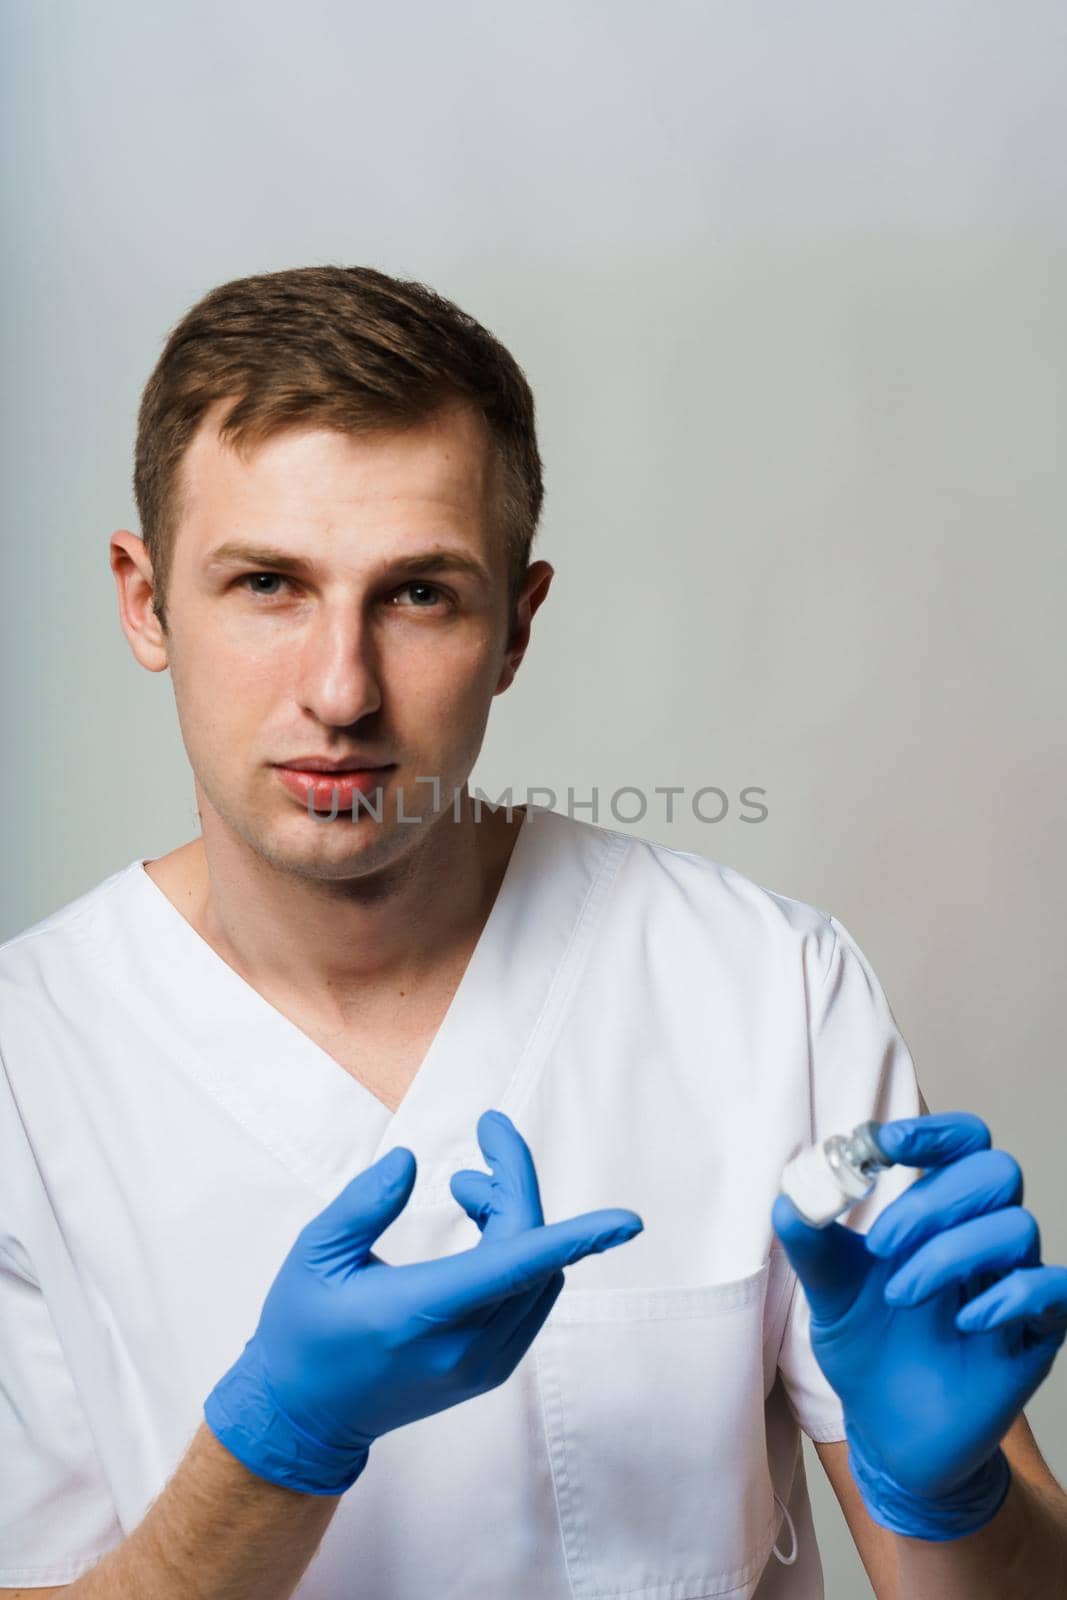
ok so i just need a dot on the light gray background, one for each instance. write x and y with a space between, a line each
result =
787 281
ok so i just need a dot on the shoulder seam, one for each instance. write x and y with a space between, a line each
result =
91 899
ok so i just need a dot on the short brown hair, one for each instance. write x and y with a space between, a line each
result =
348 348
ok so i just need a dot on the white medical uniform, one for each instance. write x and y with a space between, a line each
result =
664 1032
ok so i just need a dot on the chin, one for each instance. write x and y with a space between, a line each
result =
332 849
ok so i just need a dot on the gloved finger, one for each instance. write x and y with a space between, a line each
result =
971 1187
1000 1242
455 1286
514 1174
341 1235
474 1192
830 1262
509 1200
1036 1295
934 1140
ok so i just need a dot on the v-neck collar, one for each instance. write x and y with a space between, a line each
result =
296 1099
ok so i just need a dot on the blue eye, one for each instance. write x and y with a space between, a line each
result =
433 589
271 577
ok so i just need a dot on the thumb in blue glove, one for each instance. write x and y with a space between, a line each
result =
935 1328
349 1347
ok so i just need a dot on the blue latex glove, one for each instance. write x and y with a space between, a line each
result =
935 1328
348 1347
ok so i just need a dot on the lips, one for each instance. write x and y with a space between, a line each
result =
333 786
330 764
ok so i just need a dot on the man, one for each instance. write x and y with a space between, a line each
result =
269 1328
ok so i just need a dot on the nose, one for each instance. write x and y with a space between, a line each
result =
339 670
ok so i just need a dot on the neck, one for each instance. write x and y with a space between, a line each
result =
335 941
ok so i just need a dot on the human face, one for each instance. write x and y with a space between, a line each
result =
377 629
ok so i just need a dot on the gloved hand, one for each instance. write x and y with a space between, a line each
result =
935 1328
348 1347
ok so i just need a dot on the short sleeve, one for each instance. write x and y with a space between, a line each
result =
861 1068
57 1516
56 1513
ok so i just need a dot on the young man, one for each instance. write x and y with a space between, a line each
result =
269 1327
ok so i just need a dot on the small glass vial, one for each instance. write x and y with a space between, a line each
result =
827 1179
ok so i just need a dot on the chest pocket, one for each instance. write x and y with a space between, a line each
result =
653 1408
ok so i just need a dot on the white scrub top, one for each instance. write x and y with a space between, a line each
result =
664 1032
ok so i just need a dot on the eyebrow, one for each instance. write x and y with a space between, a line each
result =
234 553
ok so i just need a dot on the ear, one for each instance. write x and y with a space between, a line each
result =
535 588
134 582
